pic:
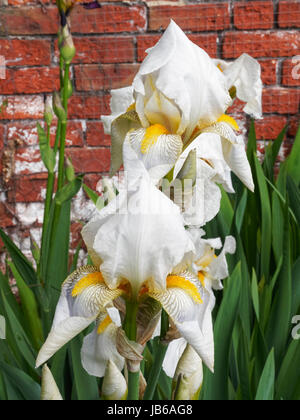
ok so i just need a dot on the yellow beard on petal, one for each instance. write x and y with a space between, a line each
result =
91 279
151 136
104 324
230 121
186 285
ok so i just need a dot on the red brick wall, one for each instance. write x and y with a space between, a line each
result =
111 42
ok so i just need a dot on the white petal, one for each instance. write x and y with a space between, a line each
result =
186 75
50 391
97 349
160 158
61 335
119 129
120 101
146 238
208 147
173 354
114 385
199 334
74 314
201 199
236 158
245 74
218 269
193 320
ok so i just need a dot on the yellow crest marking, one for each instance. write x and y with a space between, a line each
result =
131 107
230 121
201 277
186 285
104 324
91 279
151 136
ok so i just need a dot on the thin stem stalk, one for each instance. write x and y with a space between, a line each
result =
63 133
131 332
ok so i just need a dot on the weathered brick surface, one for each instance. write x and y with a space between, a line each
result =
289 14
30 80
291 72
110 18
254 14
261 44
110 46
197 17
270 127
20 52
104 77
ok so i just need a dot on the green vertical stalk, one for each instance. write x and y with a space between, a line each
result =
160 352
49 195
63 133
131 331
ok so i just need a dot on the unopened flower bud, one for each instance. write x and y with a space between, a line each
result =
70 171
50 391
58 107
188 376
114 385
48 115
67 48
69 89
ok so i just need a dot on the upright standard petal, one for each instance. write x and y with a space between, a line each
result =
146 238
178 71
245 75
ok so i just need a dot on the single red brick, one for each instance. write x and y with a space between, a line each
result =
254 15
29 190
23 107
281 101
104 50
289 14
270 127
269 72
108 76
89 107
28 20
261 44
291 72
110 18
90 160
192 17
30 80
20 52
208 42
95 136
6 217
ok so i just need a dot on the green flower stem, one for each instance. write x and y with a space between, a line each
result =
159 355
131 332
49 195
63 133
